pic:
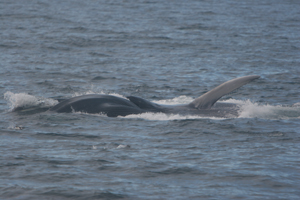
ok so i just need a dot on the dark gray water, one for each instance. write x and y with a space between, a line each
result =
165 51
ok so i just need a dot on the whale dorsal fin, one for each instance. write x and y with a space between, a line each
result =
208 99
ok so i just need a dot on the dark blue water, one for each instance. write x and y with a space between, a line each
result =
167 52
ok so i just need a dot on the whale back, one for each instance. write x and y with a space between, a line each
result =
207 100
144 104
112 106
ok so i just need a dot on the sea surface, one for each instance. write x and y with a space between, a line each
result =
168 52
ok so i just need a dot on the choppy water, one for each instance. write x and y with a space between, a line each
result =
164 51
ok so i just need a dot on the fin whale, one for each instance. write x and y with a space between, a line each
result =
113 106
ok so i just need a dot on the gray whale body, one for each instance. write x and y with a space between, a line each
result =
113 106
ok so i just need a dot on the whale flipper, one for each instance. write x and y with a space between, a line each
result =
208 99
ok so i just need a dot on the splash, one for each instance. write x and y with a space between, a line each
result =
24 100
251 110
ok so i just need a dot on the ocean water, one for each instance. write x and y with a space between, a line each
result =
168 52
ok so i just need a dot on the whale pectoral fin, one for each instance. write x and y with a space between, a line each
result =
208 99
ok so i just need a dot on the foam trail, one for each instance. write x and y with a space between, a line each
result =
168 117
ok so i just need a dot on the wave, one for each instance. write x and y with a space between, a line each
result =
247 109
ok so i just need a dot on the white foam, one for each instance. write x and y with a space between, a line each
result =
250 109
296 104
168 117
17 100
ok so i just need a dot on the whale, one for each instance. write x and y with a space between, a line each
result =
113 106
